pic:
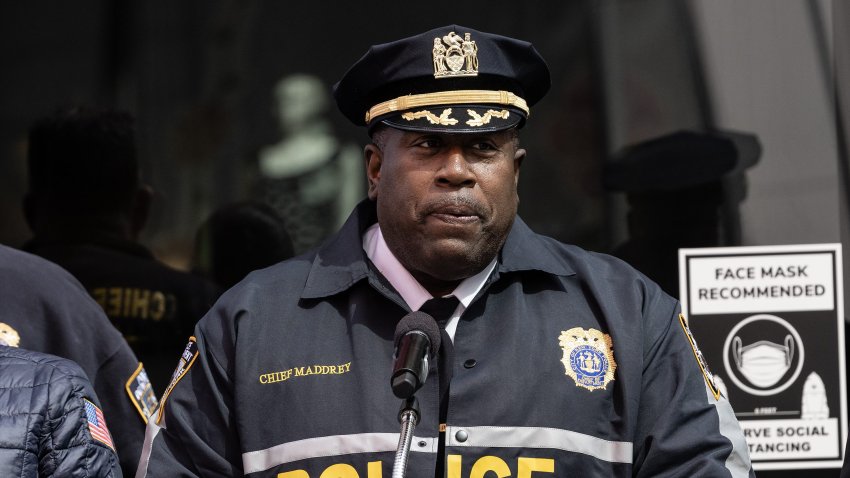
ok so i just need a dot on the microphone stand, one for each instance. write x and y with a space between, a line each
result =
408 416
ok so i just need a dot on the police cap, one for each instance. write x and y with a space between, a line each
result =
452 79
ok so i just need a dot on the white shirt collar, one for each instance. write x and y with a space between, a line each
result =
407 286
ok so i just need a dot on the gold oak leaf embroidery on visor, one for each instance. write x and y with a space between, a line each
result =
478 120
444 119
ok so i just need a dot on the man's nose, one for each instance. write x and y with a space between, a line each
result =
455 170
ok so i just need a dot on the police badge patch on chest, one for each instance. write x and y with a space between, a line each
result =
588 357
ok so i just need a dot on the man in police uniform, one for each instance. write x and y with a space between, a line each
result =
566 363
86 207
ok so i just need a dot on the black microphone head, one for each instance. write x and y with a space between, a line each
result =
422 322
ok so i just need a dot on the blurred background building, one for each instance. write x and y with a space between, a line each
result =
203 80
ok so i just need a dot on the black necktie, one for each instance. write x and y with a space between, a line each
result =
441 310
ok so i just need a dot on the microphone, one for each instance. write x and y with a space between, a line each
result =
417 341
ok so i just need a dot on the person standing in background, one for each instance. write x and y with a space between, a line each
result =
239 238
86 206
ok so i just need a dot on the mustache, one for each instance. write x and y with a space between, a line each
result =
455 204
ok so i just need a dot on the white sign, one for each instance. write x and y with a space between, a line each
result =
782 439
764 283
770 322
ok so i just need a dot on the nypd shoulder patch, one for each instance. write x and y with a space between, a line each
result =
187 359
703 365
141 393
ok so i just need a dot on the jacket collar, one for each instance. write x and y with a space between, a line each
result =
525 250
341 261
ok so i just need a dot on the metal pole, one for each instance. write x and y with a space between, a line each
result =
408 417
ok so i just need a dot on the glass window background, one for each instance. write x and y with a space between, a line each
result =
669 124
204 80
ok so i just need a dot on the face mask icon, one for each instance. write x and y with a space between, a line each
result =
763 367
763 363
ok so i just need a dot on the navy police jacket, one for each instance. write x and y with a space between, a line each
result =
567 363
51 424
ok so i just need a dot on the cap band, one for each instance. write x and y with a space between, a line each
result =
457 97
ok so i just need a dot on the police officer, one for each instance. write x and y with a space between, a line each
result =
45 309
86 207
565 363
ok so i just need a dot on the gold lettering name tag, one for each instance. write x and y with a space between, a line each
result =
295 372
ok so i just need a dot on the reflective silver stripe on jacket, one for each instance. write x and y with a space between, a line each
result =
260 460
538 437
494 437
151 431
738 462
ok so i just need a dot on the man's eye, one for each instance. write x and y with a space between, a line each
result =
428 143
484 146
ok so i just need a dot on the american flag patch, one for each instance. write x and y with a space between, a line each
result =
97 424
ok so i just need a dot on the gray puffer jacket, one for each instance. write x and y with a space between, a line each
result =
49 420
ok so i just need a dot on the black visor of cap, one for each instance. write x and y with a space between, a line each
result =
454 118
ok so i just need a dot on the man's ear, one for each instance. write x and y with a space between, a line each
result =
140 210
374 158
519 156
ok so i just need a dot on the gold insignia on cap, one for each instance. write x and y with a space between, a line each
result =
478 120
444 118
588 357
455 56
9 336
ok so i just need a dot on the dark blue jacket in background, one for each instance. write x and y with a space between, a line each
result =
44 430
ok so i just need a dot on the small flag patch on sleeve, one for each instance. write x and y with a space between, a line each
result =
97 424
